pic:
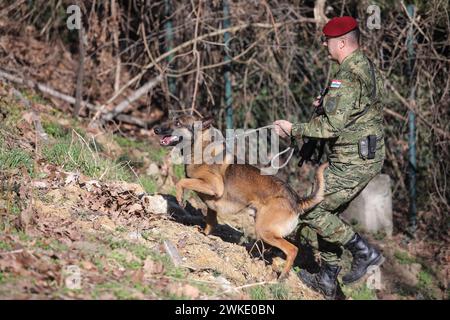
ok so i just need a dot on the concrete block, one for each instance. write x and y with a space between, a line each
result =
372 208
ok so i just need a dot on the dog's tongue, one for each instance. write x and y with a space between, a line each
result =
166 140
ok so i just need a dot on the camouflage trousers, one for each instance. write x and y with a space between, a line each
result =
321 227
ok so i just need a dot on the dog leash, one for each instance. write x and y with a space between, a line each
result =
292 149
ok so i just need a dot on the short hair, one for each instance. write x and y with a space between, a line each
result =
354 36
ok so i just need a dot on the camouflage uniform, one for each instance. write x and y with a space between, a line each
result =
348 95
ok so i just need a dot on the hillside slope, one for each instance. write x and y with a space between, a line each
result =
87 214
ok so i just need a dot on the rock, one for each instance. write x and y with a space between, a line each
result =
372 208
72 177
91 185
374 281
152 170
225 284
40 184
172 252
134 236
155 204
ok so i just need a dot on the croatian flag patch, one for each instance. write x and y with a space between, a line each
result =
335 84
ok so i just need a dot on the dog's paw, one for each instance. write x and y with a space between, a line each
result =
181 202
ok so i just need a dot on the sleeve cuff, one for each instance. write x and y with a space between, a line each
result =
297 130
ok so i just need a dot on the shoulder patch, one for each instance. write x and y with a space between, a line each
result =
331 104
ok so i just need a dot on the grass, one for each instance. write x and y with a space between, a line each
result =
55 130
119 290
269 292
128 143
149 184
5 246
13 115
73 154
403 257
380 235
426 285
157 154
124 262
360 292
178 171
15 159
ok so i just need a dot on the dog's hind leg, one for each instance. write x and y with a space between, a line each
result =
288 248
271 228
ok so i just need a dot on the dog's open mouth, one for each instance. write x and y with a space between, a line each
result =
170 140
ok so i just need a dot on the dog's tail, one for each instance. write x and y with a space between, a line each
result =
319 188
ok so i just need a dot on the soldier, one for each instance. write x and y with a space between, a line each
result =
351 122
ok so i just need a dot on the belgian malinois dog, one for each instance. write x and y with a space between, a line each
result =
229 188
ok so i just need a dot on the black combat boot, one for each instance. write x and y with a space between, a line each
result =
365 257
325 281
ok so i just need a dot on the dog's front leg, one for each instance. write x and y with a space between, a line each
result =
197 185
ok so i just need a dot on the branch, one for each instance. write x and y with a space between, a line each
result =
80 73
202 37
414 109
133 97
37 123
44 89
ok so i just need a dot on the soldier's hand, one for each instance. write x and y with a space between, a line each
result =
283 128
316 103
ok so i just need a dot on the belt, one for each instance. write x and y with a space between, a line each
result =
354 143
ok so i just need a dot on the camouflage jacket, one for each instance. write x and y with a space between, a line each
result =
349 92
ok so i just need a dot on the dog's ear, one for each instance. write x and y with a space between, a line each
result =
207 122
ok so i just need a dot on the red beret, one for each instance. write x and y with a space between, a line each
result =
339 26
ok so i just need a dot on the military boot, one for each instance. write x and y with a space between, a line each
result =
325 281
365 257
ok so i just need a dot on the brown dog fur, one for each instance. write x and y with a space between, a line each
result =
229 188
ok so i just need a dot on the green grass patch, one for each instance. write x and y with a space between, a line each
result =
149 184
13 112
269 292
426 285
258 293
403 257
15 159
55 130
178 171
73 154
279 291
128 143
123 261
380 235
361 292
157 154
142 252
119 290
5 246
425 279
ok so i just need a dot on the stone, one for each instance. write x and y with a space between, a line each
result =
372 208
152 170
374 280
155 204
